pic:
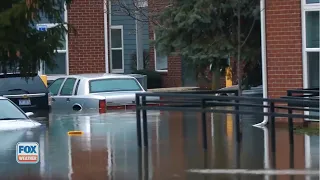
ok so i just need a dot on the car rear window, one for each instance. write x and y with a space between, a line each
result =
111 85
15 84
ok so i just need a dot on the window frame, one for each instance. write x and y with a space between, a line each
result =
49 25
58 93
119 27
307 8
77 84
155 57
73 87
305 66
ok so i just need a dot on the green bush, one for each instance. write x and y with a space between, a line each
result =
153 78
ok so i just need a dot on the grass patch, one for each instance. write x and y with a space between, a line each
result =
307 130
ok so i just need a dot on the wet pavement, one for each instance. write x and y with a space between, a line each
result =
108 149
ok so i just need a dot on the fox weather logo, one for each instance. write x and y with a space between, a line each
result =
27 152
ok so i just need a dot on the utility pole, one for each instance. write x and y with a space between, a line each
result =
239 48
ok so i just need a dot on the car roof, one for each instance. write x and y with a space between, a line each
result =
93 76
104 75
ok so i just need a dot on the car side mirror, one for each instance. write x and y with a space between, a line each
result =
29 114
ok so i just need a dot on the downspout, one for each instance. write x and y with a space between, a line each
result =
264 60
106 34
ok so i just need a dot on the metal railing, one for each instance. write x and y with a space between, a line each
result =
302 93
206 103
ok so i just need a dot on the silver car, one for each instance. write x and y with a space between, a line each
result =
94 91
13 118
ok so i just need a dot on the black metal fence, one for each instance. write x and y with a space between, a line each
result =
207 101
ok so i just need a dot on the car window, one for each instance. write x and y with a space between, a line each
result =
67 87
16 84
9 110
55 86
110 85
77 86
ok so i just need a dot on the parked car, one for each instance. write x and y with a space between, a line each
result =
94 91
13 118
29 94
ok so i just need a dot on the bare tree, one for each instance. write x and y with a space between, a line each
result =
139 10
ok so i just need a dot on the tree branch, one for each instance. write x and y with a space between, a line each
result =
244 42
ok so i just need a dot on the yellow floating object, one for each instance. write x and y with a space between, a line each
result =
44 79
228 77
72 133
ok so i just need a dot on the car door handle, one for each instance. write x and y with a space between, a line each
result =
52 99
68 99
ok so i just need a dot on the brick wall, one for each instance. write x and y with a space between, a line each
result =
284 46
86 48
172 78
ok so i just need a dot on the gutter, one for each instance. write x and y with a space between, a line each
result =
264 60
106 35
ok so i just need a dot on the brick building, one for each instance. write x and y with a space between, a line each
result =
290 39
104 40
290 44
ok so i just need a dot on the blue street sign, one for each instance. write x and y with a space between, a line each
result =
42 27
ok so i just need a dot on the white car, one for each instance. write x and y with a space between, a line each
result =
95 92
13 118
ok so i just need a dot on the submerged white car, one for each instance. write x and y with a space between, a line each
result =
95 92
13 118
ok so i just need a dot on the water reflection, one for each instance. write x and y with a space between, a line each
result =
108 148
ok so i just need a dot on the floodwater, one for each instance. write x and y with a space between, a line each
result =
108 149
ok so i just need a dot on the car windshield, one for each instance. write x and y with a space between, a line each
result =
9 111
111 85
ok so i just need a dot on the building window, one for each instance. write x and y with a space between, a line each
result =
61 59
311 42
141 3
117 53
161 61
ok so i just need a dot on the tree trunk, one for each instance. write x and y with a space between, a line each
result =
215 80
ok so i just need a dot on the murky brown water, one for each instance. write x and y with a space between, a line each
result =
108 148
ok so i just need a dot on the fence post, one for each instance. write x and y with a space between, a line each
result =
204 125
237 123
138 119
144 122
272 133
290 123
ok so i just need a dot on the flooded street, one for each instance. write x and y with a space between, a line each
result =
108 149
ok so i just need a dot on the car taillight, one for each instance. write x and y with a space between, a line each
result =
49 99
102 106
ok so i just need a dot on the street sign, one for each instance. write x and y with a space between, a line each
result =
42 27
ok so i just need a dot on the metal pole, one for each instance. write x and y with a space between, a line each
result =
238 158
290 123
291 138
138 120
237 123
144 123
204 125
239 47
146 164
140 164
273 135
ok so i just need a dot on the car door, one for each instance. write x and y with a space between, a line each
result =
66 94
54 90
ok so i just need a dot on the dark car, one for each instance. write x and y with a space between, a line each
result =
30 94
